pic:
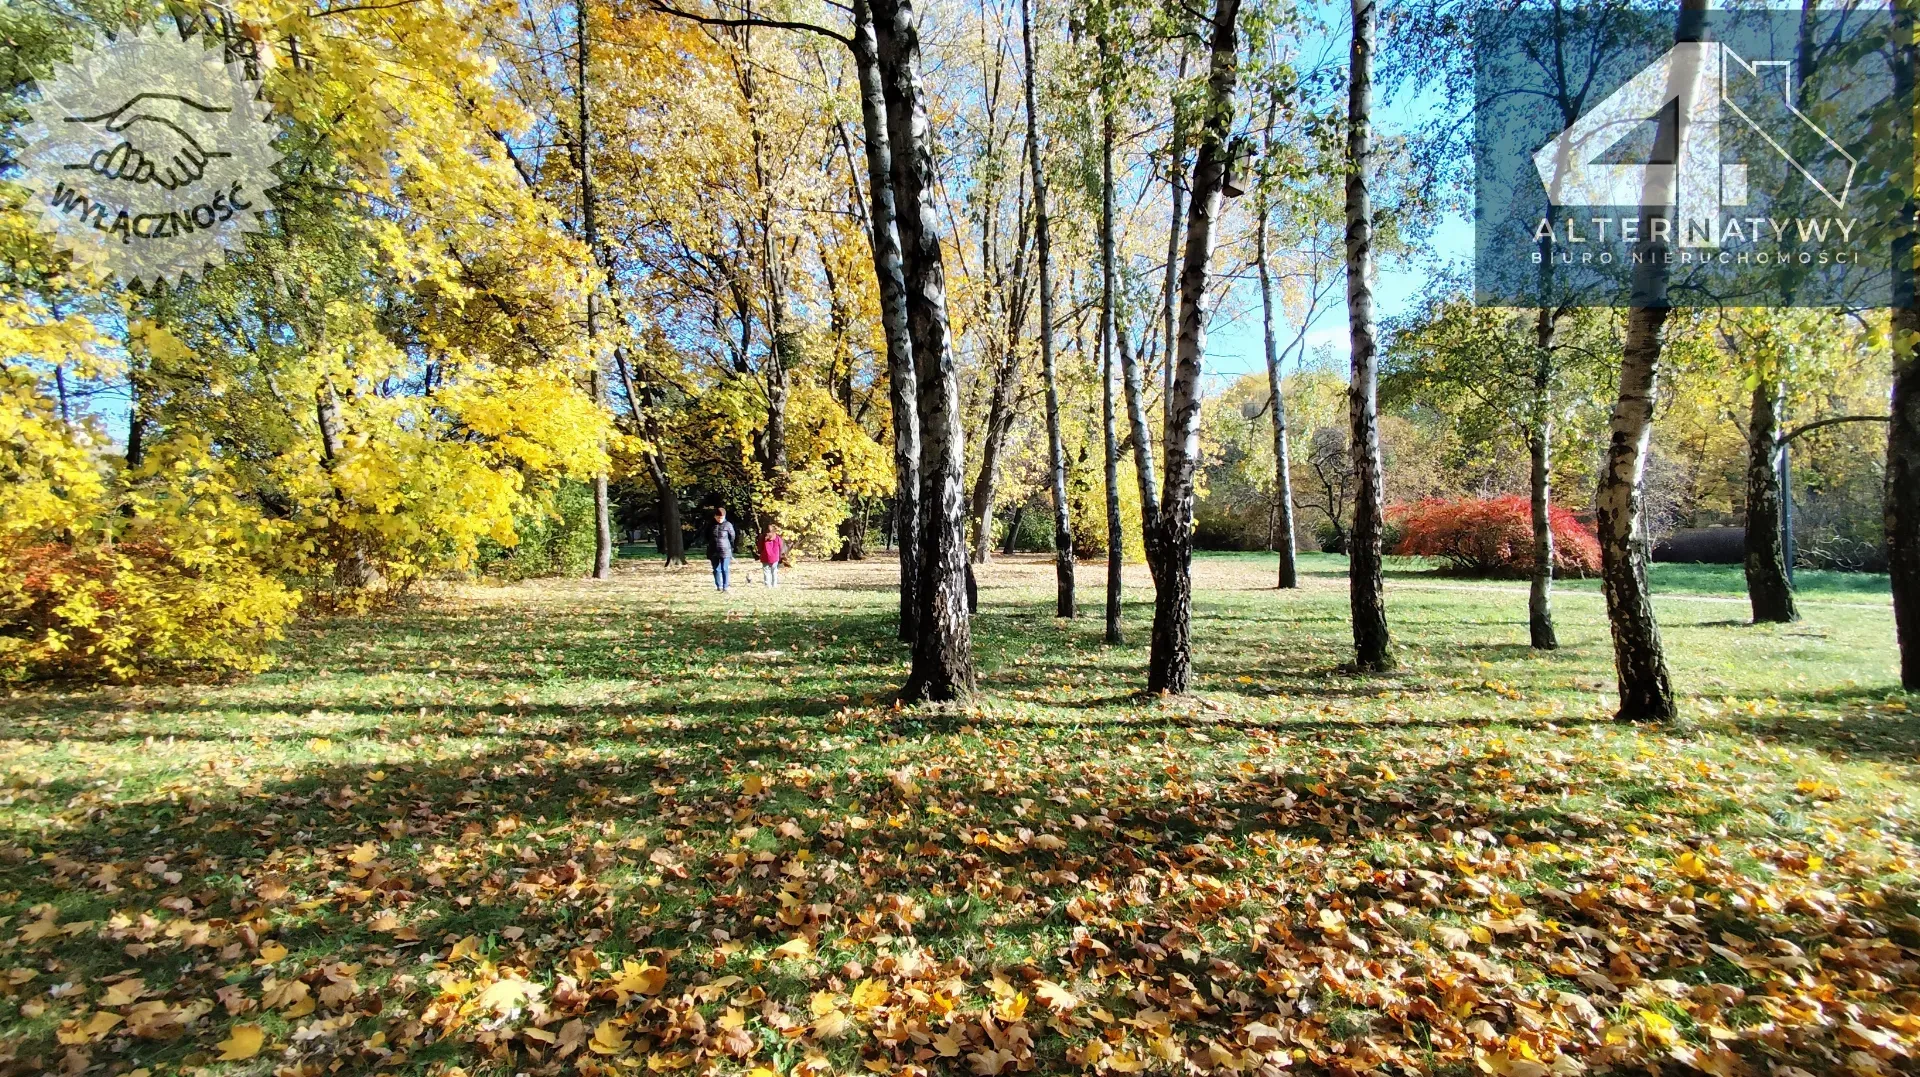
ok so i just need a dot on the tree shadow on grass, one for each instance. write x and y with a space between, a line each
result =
1509 652
533 825
551 830
1856 735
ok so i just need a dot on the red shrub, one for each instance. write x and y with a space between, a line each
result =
1493 536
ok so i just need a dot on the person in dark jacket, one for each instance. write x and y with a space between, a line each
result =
720 539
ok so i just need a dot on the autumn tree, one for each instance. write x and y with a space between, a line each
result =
1902 509
1297 263
381 384
1486 370
942 646
1646 691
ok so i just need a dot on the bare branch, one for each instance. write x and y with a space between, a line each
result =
1811 427
349 9
773 24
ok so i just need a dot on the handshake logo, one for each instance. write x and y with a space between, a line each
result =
149 156
162 122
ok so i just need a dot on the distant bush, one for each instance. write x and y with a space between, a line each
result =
556 538
1837 519
1331 537
1492 536
135 608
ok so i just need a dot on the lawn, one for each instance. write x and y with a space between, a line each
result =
637 827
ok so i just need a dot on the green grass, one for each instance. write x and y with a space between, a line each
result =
540 782
1662 577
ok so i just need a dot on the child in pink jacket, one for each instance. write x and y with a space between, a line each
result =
772 548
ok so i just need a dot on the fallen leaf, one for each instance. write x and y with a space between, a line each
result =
608 1039
1055 997
242 1043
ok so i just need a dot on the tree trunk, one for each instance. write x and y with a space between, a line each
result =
1901 506
1013 530
1170 659
853 534
1903 478
352 570
1283 538
943 645
326 411
775 372
1540 633
136 416
673 539
602 520
778 382
1139 433
1006 385
1056 449
1769 590
1639 660
1170 292
889 268
602 514
672 543
1116 541
1372 646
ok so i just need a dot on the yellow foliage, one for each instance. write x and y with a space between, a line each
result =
47 473
391 376
831 460
164 577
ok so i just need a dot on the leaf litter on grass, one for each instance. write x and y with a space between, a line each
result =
617 878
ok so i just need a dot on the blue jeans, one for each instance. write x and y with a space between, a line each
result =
772 573
720 573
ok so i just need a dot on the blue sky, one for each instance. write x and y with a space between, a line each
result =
1234 344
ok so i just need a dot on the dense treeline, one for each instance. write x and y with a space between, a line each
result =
1444 438
550 269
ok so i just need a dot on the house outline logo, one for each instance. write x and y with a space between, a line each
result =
1698 80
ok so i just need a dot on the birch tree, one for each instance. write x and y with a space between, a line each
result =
1372 645
590 232
943 645
1170 548
1640 663
1902 508
1109 285
1043 244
